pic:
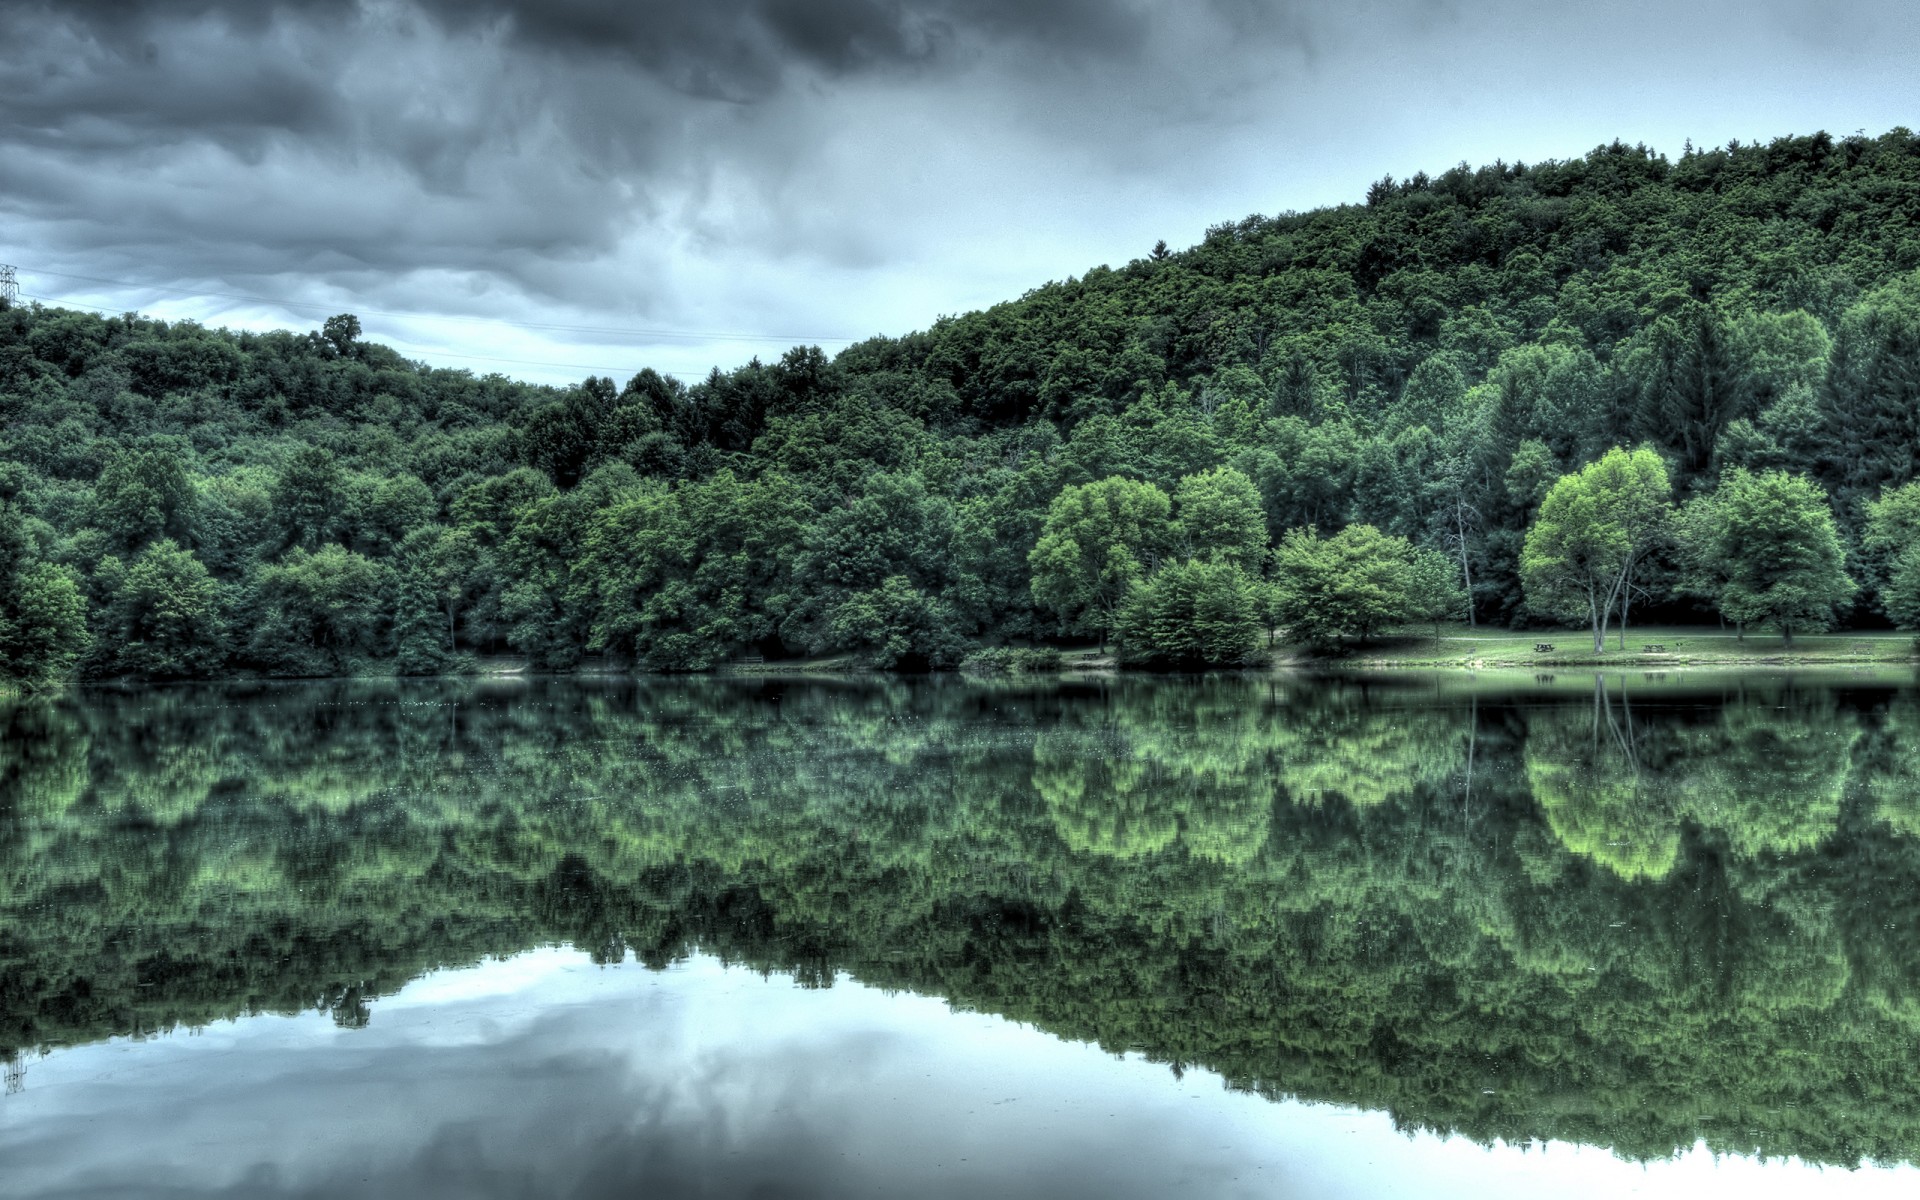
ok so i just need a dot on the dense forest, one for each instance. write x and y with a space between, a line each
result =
1324 424
1620 914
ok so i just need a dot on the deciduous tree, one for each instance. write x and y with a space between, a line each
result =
1098 539
1765 547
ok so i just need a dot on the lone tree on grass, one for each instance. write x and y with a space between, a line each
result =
1596 526
1764 547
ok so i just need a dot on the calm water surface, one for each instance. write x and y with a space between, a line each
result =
1346 937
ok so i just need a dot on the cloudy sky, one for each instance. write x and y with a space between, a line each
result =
549 188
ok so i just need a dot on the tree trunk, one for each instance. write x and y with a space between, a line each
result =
1594 610
1466 568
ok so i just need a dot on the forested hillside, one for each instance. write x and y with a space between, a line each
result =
1285 423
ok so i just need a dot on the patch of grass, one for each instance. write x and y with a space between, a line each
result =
1651 646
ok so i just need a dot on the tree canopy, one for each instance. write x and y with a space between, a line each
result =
1767 545
1594 528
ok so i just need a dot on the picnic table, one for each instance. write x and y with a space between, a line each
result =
1543 647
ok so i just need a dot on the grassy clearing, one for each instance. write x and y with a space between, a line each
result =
1652 646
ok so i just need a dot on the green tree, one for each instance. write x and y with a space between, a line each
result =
452 564
1218 517
43 625
394 506
1595 527
1350 585
1191 614
1694 380
165 617
1097 540
306 497
340 332
1893 535
896 625
43 613
1869 401
896 528
420 639
1433 589
143 495
1765 547
320 613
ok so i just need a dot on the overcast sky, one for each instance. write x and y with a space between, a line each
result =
549 188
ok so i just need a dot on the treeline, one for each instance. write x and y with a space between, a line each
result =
1640 917
1295 421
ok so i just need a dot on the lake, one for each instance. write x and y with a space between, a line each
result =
1423 935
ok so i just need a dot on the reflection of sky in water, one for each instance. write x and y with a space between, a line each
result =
543 1075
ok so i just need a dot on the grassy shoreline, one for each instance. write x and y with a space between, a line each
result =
1459 649
1652 647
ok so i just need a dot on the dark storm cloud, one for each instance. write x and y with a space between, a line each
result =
571 160
741 48
527 129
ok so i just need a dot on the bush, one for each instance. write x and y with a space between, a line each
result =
1192 614
1011 660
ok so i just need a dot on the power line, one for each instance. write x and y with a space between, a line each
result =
707 335
9 286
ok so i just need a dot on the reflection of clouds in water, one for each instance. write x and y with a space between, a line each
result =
544 1077
537 1078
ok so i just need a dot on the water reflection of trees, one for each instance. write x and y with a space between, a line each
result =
1629 916
1763 772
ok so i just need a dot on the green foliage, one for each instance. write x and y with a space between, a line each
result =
307 497
43 630
1219 519
1351 585
678 579
1427 364
1098 540
420 631
1595 527
896 625
143 495
1434 590
165 616
1765 546
1893 535
1191 614
1011 660
320 613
